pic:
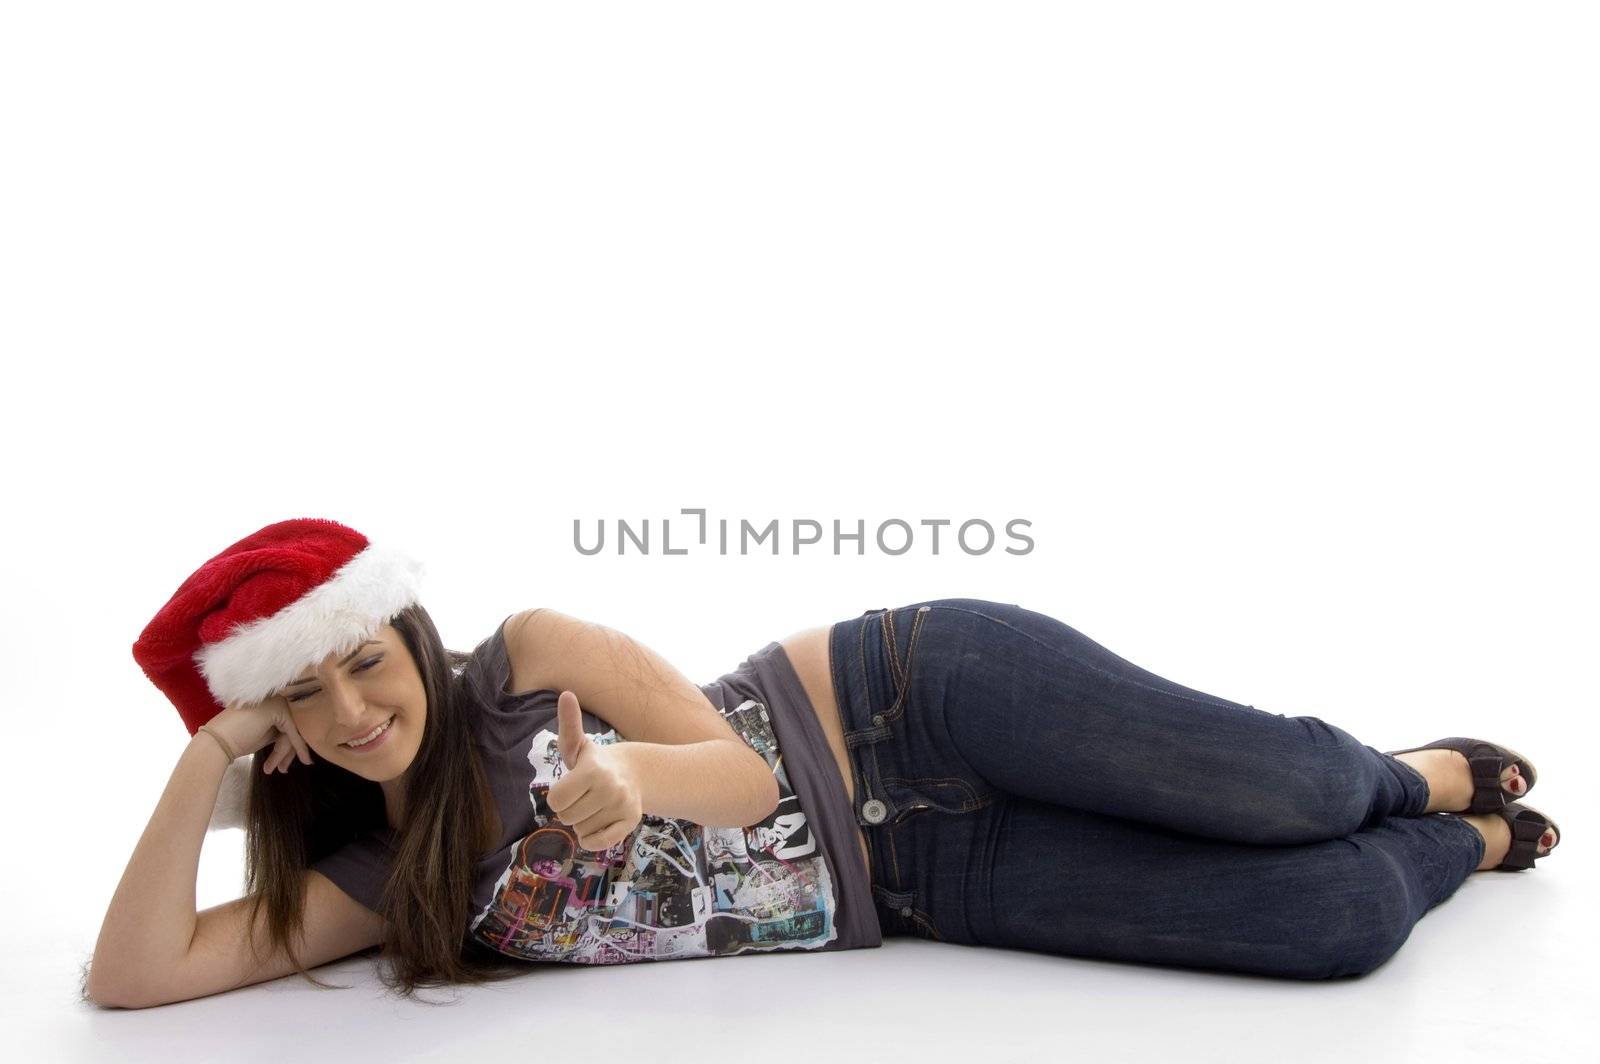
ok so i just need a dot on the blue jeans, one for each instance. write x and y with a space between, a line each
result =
1023 787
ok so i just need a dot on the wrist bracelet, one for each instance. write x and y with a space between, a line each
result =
220 742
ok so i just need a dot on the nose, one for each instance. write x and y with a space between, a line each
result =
349 710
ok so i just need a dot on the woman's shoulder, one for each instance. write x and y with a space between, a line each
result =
491 675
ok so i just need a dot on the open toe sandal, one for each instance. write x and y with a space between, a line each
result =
1527 826
1487 761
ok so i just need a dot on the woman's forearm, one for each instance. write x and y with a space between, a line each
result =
718 783
150 922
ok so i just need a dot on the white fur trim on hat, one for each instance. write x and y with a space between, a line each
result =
258 658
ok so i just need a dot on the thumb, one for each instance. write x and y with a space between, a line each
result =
570 739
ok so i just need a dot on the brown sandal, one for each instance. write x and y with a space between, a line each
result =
1487 761
1528 826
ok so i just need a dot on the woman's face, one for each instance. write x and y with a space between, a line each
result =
347 696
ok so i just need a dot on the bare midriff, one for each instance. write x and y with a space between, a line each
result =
808 653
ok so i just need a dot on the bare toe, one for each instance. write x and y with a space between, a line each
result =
1547 841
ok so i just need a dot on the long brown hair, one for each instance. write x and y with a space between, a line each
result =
296 817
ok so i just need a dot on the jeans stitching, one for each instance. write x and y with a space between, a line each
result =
886 620
888 838
872 733
973 800
861 663
895 899
853 740
966 807
903 695
894 858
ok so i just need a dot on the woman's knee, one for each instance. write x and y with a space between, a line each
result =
1327 798
1359 918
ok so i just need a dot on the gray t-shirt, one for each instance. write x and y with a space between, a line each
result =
673 889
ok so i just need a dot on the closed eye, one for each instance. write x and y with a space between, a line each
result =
363 667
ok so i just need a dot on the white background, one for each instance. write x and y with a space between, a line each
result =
1274 320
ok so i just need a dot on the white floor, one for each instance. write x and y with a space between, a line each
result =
1502 971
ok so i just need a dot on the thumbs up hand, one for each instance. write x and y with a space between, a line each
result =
598 795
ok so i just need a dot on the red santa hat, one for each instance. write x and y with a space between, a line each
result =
268 607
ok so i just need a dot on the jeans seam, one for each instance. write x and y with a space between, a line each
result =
888 837
903 684
871 733
886 620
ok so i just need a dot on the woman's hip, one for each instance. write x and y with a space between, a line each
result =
927 815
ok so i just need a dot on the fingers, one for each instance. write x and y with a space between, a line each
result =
288 746
605 838
285 749
300 745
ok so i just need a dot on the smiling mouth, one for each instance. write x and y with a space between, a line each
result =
367 738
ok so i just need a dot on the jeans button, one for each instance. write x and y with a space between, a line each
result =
877 718
905 911
874 811
924 609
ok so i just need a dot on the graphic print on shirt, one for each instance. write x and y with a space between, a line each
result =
671 889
